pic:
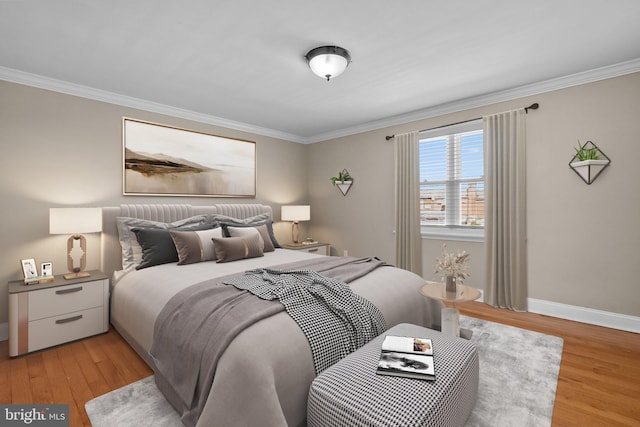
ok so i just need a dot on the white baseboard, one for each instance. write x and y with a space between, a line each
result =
591 316
4 331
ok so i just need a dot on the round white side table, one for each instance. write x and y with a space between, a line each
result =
450 315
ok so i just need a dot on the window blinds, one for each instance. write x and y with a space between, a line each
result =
452 176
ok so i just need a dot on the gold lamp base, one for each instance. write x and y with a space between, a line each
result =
295 233
76 272
77 275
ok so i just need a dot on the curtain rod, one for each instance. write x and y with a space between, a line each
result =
533 106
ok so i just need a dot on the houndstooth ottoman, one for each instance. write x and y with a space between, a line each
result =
350 393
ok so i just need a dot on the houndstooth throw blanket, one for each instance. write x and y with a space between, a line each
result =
335 320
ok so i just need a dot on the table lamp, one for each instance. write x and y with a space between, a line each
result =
296 213
75 221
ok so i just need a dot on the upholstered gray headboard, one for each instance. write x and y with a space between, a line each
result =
111 259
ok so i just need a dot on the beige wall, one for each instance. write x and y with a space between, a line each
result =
583 245
60 150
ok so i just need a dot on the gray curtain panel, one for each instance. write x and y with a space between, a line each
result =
408 239
505 210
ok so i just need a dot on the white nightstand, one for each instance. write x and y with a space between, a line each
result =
316 248
53 313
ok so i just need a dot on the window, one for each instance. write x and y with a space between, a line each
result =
452 181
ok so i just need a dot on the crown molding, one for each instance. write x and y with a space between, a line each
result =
603 73
68 88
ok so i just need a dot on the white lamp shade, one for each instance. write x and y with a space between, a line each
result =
75 220
296 213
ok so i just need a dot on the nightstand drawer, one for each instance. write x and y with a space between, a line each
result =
321 250
64 299
68 327
312 248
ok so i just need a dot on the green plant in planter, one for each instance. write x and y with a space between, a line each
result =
342 176
587 153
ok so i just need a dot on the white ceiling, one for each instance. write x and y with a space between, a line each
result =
241 63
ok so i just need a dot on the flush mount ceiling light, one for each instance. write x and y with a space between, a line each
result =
328 61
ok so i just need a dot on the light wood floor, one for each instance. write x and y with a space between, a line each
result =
72 373
599 382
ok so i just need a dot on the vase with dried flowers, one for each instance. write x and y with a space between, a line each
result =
452 267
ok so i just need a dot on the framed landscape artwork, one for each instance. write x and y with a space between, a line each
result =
162 160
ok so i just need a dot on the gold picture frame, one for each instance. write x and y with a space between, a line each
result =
162 160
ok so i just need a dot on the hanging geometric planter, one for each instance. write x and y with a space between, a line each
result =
591 167
343 181
344 186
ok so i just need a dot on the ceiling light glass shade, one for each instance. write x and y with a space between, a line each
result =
328 61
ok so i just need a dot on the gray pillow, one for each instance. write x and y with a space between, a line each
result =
245 231
267 223
157 247
231 220
195 246
131 250
235 248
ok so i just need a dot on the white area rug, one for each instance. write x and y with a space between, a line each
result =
518 375
518 380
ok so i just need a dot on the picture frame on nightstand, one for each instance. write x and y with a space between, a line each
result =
46 269
29 268
30 272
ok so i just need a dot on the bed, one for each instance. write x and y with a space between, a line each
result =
263 376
